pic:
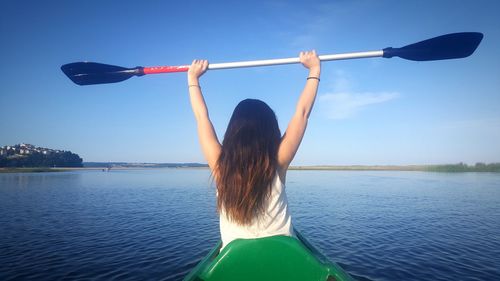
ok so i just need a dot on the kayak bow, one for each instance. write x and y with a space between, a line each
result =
269 258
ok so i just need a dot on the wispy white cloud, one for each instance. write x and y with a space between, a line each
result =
344 105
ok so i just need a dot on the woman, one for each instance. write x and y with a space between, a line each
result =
250 166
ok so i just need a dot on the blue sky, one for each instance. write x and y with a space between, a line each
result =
369 111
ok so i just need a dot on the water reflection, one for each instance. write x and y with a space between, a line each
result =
156 224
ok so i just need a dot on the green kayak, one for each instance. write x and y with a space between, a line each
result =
270 258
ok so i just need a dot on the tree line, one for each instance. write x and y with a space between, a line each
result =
462 167
37 159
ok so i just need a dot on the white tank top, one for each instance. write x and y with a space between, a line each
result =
276 220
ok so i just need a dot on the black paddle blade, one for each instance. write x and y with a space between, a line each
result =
449 46
89 73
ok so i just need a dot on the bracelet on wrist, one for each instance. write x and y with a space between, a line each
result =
189 86
312 77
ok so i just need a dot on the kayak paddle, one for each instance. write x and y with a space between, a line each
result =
449 46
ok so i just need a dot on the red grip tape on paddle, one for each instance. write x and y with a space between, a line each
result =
165 69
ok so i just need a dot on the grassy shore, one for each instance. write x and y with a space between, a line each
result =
447 168
361 168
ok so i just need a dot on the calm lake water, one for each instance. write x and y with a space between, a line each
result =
157 224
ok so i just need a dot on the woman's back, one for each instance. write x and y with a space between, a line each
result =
275 220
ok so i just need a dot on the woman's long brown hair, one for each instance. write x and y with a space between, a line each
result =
248 162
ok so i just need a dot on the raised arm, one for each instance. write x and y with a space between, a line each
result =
293 136
208 139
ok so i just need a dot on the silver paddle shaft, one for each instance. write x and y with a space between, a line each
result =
346 56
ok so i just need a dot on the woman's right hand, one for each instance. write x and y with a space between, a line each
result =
196 70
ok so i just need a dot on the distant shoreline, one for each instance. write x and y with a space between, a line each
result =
68 169
361 168
454 168
30 170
